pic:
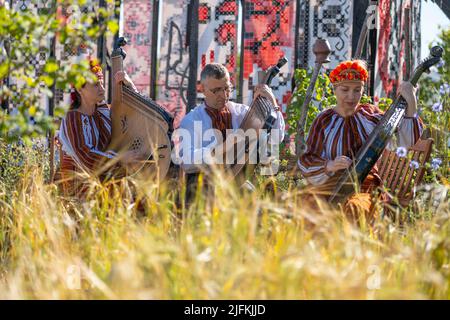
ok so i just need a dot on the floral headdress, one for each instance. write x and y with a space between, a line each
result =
96 69
352 70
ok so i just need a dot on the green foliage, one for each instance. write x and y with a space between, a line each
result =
434 109
429 87
384 103
16 157
322 98
24 35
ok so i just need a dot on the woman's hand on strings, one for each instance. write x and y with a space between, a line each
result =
122 76
341 162
408 91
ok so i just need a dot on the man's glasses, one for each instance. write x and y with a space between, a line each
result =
218 90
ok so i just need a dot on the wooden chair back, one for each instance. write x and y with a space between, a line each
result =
397 173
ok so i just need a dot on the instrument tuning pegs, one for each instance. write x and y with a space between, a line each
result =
282 62
121 42
437 51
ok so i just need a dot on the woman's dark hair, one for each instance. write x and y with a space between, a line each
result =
75 96
75 99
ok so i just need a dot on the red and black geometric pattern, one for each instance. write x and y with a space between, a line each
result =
137 25
270 29
269 34
217 36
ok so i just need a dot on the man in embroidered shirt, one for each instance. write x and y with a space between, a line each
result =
217 112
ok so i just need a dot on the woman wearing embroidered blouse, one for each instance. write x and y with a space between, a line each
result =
338 133
85 133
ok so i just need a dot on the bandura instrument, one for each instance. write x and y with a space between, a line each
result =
139 124
261 115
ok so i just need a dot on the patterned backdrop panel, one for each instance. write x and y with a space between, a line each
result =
217 41
327 19
269 33
173 60
137 22
36 61
391 64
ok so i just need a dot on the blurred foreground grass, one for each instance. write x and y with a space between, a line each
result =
242 246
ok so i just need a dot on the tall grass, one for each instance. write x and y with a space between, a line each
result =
240 245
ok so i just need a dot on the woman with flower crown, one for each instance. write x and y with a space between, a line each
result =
85 133
338 133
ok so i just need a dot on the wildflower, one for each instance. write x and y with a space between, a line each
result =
436 163
440 64
444 89
414 164
205 256
437 107
401 152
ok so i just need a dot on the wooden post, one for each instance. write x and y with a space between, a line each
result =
193 54
154 57
115 40
239 96
51 108
372 51
408 58
321 50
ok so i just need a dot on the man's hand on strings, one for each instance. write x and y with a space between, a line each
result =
264 91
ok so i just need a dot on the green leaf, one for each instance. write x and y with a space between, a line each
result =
4 69
32 110
30 81
113 26
51 67
47 80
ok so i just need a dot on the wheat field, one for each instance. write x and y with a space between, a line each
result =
240 245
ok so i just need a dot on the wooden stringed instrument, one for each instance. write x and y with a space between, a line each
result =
261 115
139 124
